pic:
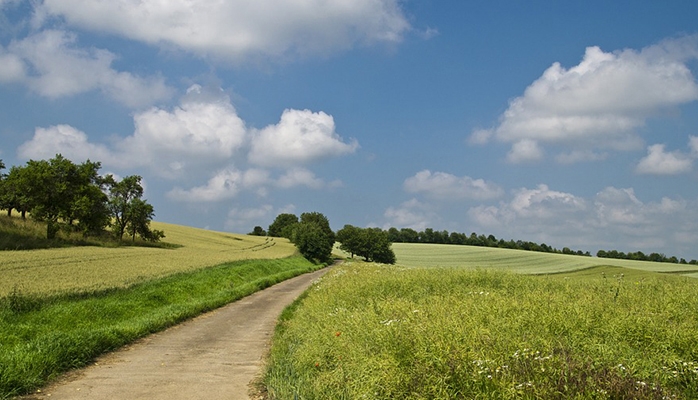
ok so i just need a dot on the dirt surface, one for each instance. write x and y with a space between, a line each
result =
214 356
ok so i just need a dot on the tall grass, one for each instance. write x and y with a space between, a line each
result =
41 337
375 332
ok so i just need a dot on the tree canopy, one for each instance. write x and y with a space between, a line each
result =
373 244
58 191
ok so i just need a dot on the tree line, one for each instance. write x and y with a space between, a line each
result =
640 256
61 193
315 239
429 235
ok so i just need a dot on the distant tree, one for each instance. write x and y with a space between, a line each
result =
320 220
140 213
409 235
283 225
349 239
373 244
313 242
125 202
258 231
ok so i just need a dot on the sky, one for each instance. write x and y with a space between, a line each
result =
573 124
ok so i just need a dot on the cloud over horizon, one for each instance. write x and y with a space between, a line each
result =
598 104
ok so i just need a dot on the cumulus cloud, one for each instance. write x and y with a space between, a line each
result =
411 214
525 150
243 219
615 218
300 137
224 185
444 186
205 128
52 64
239 30
299 177
598 103
660 162
66 140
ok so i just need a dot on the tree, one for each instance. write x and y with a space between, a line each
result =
258 231
283 225
320 220
51 188
373 244
313 242
14 193
122 201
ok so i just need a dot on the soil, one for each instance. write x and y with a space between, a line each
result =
217 355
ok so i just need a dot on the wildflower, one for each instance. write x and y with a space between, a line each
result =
337 333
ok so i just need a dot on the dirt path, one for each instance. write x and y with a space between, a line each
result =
213 356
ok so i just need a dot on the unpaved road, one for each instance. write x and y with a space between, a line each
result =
214 356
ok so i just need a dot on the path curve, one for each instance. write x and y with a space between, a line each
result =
214 356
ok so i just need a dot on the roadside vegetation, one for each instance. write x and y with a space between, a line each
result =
42 335
381 332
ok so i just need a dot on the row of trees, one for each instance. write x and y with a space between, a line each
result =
640 256
60 192
315 239
429 235
373 244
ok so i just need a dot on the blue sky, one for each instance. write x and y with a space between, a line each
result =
571 124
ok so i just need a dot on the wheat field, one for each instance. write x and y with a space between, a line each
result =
81 269
527 262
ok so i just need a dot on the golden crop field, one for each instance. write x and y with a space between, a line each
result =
77 269
527 262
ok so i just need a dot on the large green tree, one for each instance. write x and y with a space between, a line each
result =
14 194
313 242
283 225
124 197
373 244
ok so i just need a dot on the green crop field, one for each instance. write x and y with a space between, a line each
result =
89 268
459 322
527 262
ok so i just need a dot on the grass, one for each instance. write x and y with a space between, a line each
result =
527 262
93 268
380 332
42 336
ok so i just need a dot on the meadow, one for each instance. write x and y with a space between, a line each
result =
489 325
90 268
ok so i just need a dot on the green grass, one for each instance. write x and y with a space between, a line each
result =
520 261
42 336
380 332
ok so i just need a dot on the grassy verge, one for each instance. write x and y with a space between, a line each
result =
40 337
377 332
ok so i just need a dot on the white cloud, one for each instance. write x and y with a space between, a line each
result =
444 186
600 102
300 137
612 219
299 177
56 67
525 150
410 214
660 162
240 30
66 140
225 184
204 129
693 145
